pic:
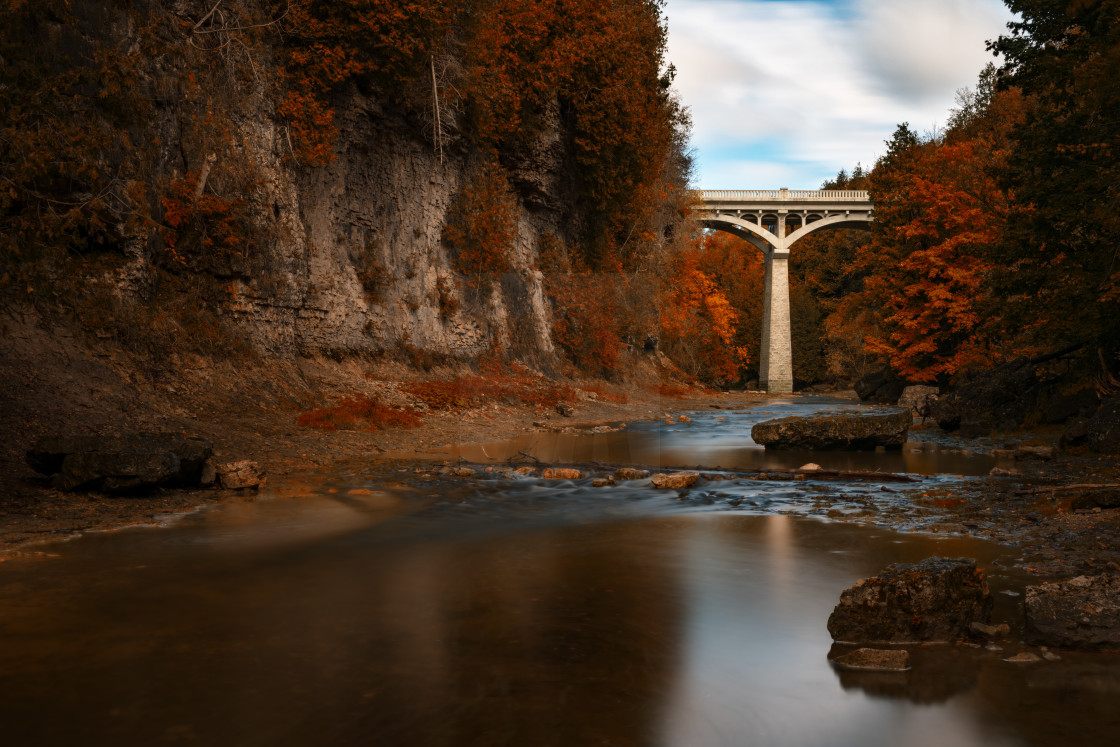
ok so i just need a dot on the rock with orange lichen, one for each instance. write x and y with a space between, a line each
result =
562 473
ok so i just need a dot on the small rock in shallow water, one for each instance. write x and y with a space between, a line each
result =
1044 453
683 419
602 482
629 473
675 480
562 473
990 631
810 467
1024 657
875 660
243 475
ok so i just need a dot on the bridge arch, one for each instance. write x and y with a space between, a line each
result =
752 232
831 221
756 234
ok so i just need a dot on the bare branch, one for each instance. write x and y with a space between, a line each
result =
437 132
225 29
202 177
207 16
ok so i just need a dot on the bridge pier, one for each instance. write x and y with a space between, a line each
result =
775 372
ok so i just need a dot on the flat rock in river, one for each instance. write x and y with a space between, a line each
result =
853 431
123 463
937 599
1083 612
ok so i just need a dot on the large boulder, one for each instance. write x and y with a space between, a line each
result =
1102 431
125 463
852 431
1083 612
882 387
995 400
937 599
918 398
1061 407
1076 432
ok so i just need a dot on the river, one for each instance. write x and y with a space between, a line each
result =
390 607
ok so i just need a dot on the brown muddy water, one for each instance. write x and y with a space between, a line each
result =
386 609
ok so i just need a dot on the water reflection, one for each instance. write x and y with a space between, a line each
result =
721 439
665 630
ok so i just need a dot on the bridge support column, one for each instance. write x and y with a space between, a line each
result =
776 366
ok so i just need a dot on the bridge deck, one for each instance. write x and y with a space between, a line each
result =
783 195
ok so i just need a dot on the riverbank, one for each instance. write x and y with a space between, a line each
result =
52 384
251 410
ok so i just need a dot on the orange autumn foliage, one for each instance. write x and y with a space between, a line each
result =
216 226
331 43
513 385
698 324
939 213
359 412
587 318
482 225
594 66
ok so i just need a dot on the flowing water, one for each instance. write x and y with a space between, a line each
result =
395 609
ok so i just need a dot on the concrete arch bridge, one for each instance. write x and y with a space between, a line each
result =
773 220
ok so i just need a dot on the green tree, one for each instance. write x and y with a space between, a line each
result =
1058 274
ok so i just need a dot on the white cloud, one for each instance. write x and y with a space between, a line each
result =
797 90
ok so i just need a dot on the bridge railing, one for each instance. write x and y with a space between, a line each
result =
745 195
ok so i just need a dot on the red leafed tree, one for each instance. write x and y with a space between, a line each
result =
698 323
385 44
938 212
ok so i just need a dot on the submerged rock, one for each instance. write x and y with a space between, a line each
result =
855 431
1023 657
875 660
1042 453
126 463
937 599
1083 612
629 473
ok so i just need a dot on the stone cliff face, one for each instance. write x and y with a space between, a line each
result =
354 260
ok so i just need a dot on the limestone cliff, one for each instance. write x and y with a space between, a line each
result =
290 166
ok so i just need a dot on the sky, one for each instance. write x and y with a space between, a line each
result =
785 93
